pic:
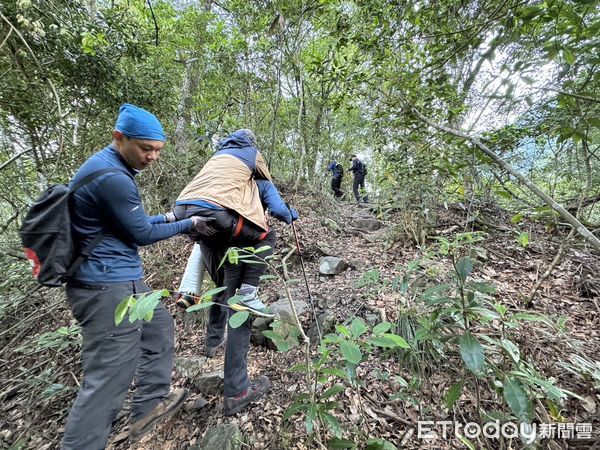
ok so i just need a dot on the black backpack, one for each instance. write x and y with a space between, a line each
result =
46 234
362 168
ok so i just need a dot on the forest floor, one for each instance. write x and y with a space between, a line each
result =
395 394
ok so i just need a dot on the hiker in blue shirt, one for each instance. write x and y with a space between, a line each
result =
110 205
337 172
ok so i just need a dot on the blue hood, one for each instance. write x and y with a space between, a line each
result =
237 139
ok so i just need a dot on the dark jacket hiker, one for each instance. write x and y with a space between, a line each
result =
229 190
337 172
359 169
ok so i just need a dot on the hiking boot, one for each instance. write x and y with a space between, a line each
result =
210 352
251 301
184 300
166 408
257 389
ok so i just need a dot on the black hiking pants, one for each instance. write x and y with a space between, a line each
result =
230 234
336 183
359 183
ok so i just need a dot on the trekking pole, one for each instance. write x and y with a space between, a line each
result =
310 299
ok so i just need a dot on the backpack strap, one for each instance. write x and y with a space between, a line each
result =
87 250
84 254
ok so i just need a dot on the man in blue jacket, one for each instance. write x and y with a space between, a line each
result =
337 172
110 206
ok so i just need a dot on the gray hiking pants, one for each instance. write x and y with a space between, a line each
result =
111 356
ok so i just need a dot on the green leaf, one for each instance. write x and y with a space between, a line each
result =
147 303
517 400
282 346
523 238
453 394
237 319
273 335
530 317
254 262
467 442
199 306
399 341
382 328
351 352
472 354
358 327
333 390
433 293
214 291
235 299
297 367
504 194
149 315
233 256
512 349
343 330
569 56
381 341
464 266
122 308
337 443
310 419
293 410
380 444
264 248
516 218
332 423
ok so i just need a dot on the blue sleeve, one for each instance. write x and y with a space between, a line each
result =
160 218
330 167
120 201
271 198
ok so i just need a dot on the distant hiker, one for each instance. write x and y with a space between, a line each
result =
110 208
360 170
337 173
226 192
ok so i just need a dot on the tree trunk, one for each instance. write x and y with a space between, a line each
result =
180 140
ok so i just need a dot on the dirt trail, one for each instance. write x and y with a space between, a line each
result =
335 228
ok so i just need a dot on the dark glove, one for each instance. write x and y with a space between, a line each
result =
170 217
202 226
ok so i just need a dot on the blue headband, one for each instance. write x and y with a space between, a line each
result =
138 123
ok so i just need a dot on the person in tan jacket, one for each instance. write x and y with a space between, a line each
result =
226 194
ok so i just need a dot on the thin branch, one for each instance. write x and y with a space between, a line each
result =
155 23
14 158
10 30
570 94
